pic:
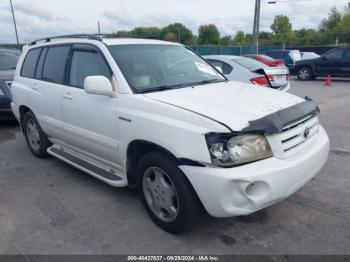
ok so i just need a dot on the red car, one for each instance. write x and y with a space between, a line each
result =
266 60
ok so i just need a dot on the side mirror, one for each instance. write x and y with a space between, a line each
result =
219 69
98 85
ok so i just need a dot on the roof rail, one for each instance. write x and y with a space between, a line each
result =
86 36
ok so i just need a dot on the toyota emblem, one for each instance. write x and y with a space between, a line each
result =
307 132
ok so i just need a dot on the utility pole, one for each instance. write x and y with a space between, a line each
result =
99 28
256 26
14 22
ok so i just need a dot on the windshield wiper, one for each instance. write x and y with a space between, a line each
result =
157 88
168 87
10 68
210 81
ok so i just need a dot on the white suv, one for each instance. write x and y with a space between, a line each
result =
156 116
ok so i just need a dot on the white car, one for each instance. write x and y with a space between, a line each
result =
251 71
154 115
309 55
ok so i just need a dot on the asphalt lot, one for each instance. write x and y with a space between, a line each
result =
49 207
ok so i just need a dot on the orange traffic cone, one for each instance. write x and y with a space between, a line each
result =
328 81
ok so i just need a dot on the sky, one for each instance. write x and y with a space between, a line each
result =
41 18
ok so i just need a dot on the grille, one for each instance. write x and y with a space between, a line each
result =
297 133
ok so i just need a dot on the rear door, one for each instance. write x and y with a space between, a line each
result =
90 119
330 63
47 77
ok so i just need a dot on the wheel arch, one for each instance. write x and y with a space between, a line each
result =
136 150
23 109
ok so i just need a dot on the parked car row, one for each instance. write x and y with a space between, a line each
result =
155 116
8 61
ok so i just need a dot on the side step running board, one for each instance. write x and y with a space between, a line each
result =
102 174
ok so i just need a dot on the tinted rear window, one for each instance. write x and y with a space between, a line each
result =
55 64
250 64
28 68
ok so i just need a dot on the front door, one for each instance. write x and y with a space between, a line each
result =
90 119
330 63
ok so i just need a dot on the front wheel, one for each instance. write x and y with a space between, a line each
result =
166 193
36 139
304 73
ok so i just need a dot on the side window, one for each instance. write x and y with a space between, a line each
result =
28 68
39 67
55 64
336 55
87 63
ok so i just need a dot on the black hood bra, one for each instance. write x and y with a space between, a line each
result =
275 122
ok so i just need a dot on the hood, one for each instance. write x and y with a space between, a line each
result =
7 75
232 103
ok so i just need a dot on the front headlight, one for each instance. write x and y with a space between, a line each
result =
1 92
227 150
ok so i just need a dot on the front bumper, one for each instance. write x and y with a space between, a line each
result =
245 189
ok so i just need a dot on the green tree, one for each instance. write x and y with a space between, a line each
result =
146 32
334 18
179 32
282 28
208 35
226 41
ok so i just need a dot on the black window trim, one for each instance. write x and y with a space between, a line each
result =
82 47
42 68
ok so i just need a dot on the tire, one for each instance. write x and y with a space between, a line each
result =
37 140
305 73
157 174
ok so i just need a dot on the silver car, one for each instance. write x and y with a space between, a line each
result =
251 71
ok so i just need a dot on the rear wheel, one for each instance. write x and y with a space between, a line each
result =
166 193
305 73
36 139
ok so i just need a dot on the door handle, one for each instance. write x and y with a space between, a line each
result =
68 96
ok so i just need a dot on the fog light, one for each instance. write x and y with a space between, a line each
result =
257 190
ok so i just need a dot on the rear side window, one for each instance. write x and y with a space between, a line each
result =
226 68
28 68
55 64
86 64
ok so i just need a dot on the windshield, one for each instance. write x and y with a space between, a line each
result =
250 64
295 55
8 60
159 67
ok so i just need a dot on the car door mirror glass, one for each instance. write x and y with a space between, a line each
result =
98 85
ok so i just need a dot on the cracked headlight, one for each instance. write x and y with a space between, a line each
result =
227 150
